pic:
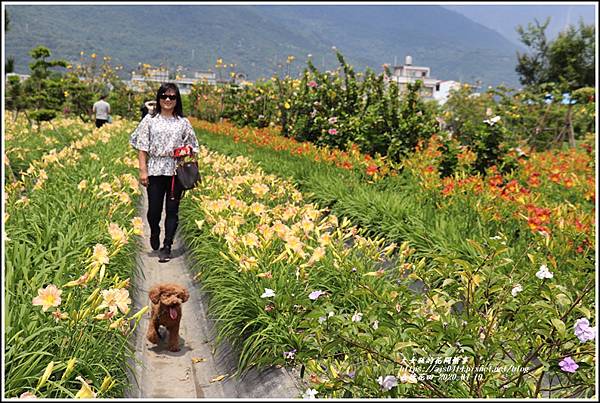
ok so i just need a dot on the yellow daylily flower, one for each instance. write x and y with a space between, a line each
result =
138 225
117 234
114 299
100 255
86 391
47 297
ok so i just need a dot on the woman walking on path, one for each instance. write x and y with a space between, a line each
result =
155 138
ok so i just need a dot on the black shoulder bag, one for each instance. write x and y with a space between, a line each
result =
187 174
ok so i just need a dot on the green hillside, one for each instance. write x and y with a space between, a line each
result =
258 39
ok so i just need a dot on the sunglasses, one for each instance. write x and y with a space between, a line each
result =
171 97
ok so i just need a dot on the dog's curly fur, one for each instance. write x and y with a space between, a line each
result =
166 310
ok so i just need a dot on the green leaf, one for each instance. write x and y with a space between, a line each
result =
477 246
563 299
586 312
560 327
403 344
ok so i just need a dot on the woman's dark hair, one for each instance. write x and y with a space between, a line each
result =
178 111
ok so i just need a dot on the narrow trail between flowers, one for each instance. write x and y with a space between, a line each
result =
200 369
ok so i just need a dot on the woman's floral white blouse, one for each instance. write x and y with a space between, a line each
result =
159 136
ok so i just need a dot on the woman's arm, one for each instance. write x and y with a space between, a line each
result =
143 165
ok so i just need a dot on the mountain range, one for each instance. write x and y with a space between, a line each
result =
259 38
504 18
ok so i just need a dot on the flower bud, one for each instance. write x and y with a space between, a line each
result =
46 375
69 369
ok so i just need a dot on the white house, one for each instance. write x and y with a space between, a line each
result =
444 88
22 77
207 76
408 74
138 81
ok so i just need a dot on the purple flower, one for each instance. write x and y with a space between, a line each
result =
388 382
583 331
289 355
568 365
315 294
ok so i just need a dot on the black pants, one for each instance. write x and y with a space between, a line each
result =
100 122
159 188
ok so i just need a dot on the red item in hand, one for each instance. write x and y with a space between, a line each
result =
182 151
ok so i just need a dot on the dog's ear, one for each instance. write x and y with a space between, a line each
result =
154 294
184 294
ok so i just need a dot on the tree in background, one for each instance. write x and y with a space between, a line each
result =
532 67
9 67
572 57
569 60
43 90
15 98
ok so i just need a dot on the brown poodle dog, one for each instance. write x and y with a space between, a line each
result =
166 310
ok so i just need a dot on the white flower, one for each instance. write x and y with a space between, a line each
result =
492 121
357 317
376 325
516 289
388 382
543 272
322 319
310 394
268 293
315 294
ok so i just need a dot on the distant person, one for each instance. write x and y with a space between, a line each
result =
148 107
102 111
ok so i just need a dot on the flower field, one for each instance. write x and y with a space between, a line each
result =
371 278
70 222
497 271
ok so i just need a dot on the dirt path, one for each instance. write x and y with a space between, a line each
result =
195 371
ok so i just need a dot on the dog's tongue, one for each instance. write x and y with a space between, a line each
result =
173 313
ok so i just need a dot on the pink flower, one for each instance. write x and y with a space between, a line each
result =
312 84
568 365
332 131
332 120
27 395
